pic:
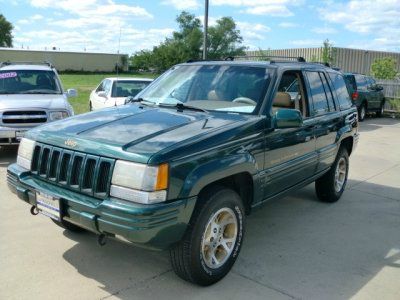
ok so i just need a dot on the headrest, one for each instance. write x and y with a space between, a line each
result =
282 99
212 95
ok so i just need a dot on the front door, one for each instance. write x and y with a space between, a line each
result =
290 155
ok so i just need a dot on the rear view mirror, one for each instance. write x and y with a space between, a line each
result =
288 118
102 94
72 93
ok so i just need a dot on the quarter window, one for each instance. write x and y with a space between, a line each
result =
319 100
342 94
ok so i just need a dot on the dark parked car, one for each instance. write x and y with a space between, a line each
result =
182 164
366 94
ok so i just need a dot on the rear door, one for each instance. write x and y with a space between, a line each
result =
374 98
326 116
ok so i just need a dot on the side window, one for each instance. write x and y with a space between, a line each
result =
361 82
291 93
342 94
328 92
107 86
100 88
319 100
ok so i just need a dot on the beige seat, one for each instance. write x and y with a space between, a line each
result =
282 100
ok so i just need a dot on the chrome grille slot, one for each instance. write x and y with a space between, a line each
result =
55 158
44 159
88 174
62 175
74 170
24 117
103 177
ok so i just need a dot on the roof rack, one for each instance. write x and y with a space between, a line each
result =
283 58
9 63
232 58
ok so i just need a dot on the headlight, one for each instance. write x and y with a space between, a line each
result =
139 182
25 153
58 115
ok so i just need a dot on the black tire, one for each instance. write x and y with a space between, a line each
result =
90 106
68 226
379 113
325 186
362 112
187 257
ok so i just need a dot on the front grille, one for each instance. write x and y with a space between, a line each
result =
24 117
85 173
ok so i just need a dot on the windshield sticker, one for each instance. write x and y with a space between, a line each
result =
8 75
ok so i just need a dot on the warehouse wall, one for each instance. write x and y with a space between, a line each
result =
76 61
348 60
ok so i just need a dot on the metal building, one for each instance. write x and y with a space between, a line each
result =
348 60
68 61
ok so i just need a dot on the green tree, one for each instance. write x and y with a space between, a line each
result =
328 52
5 32
384 68
186 43
224 39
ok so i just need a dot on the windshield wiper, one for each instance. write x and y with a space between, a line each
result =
181 106
131 99
38 92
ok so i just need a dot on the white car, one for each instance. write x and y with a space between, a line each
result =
113 91
31 94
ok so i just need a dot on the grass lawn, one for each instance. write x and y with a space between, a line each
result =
85 83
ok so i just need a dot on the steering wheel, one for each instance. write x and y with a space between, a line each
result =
245 100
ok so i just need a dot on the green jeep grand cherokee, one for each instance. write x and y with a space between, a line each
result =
181 165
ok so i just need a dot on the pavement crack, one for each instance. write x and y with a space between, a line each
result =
379 195
138 283
276 289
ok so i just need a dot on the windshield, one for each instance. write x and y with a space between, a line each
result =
125 88
29 82
211 87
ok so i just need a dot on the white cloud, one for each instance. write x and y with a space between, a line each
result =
252 31
182 5
30 20
287 25
276 8
381 19
306 43
324 30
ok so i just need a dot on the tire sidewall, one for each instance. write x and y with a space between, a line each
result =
223 199
342 153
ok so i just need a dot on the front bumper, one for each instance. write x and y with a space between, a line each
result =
11 135
155 226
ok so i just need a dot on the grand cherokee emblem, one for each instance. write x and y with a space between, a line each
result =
70 143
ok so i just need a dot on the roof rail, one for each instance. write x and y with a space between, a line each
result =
9 63
284 58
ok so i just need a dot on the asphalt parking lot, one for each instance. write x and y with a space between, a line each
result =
295 247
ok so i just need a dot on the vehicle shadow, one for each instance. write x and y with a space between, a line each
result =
373 123
297 246
8 155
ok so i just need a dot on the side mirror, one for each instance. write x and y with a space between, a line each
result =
379 87
102 94
288 118
72 93
128 99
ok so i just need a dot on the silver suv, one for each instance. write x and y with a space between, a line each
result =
30 94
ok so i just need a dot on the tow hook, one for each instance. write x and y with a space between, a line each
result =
102 239
34 210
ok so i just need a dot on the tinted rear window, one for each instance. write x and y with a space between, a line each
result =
342 94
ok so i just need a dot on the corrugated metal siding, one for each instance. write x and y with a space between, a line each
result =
76 61
349 60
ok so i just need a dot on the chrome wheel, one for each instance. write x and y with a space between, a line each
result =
219 238
340 174
362 112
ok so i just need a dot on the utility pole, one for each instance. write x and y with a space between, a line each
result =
205 30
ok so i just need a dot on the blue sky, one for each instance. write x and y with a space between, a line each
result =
94 25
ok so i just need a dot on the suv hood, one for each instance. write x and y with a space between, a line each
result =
132 132
32 101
